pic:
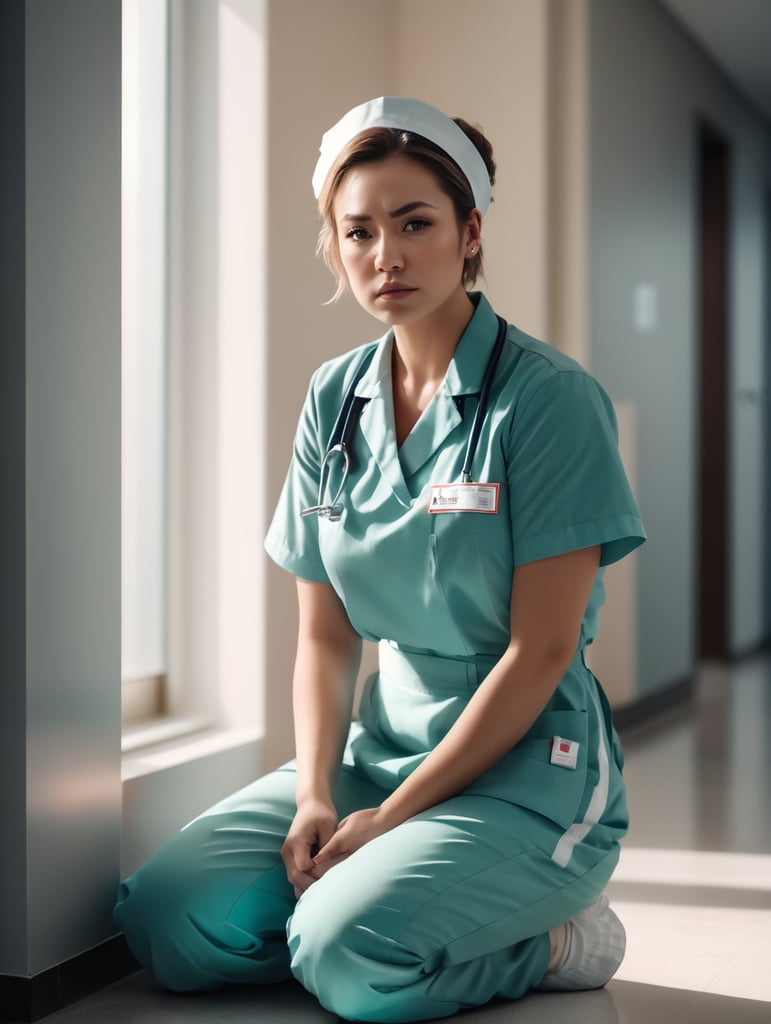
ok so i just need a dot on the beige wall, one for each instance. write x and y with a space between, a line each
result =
323 57
484 61
568 175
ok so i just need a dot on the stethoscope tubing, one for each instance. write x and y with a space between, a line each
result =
350 412
484 398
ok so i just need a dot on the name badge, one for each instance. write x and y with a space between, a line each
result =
464 498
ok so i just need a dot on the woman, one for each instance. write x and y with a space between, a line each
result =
453 844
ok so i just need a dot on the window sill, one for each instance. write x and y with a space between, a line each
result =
161 730
174 741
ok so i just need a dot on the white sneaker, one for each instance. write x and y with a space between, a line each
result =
596 942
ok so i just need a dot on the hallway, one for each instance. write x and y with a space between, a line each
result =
693 888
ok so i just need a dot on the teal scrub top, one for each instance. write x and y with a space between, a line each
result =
441 583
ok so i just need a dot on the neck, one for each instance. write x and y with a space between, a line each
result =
424 350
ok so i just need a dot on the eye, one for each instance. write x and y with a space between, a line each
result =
357 234
417 224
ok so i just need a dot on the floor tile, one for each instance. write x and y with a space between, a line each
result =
758 949
680 931
745 979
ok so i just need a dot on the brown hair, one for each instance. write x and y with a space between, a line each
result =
376 144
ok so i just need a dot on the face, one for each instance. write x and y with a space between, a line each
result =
400 242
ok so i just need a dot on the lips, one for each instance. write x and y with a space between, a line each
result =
394 289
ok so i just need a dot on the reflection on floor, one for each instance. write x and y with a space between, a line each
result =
702 780
694 883
693 888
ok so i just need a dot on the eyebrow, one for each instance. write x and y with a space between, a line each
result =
407 208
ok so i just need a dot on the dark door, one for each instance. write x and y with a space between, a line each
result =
713 300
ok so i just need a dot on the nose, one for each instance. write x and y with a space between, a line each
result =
389 254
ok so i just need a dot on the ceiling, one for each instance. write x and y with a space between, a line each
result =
737 35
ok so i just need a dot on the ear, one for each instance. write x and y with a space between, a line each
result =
472 233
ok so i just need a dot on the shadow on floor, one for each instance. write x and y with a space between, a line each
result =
136 1000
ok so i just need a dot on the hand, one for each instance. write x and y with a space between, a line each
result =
313 825
352 833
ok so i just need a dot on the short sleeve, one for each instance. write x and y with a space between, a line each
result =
292 540
567 484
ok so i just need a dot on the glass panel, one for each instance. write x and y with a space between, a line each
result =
144 318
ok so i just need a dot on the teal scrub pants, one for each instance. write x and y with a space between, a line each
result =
446 911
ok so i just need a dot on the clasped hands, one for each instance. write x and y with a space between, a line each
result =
317 841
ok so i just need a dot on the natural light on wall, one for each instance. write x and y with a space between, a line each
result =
242 230
194 335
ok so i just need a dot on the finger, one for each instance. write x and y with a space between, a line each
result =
303 858
302 882
333 850
323 855
297 855
322 869
325 834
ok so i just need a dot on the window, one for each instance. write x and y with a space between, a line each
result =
194 330
144 358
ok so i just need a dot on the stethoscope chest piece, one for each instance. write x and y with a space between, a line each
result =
333 510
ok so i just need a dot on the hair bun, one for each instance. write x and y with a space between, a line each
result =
482 144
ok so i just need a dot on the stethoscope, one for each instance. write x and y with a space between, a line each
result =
348 417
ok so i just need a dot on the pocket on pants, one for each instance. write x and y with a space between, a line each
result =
526 777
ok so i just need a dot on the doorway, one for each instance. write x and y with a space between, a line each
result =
767 433
713 583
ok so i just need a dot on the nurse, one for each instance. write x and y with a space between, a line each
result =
453 843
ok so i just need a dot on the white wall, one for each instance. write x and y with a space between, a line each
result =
59 852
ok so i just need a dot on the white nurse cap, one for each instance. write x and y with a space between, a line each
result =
411 116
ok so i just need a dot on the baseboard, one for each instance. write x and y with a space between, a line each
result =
31 999
748 653
675 696
665 699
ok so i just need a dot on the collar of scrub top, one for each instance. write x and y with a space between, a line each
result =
467 367
464 378
408 115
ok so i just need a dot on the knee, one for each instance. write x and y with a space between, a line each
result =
343 955
161 946
202 913
153 912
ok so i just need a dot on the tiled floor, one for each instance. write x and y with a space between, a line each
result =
693 889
